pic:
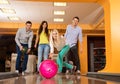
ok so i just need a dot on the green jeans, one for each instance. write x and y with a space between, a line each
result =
60 57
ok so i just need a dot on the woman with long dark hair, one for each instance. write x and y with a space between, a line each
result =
43 38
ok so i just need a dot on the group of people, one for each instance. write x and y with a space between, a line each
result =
46 41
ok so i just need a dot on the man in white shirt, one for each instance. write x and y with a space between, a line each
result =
72 35
23 40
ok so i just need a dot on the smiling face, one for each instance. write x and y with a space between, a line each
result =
28 26
75 22
44 25
54 35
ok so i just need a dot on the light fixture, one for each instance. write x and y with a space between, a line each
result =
59 12
4 2
8 11
13 18
58 19
60 3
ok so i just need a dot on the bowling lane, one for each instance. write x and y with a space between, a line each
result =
58 79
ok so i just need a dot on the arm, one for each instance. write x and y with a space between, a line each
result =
51 50
51 46
37 39
66 32
30 42
17 38
51 43
80 40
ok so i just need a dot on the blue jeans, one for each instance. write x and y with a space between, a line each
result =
43 52
18 60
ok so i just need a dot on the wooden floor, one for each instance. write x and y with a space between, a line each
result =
58 79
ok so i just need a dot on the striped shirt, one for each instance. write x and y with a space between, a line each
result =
72 35
23 37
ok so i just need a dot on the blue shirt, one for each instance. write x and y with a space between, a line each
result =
72 35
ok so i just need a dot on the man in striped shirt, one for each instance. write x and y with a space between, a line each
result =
72 35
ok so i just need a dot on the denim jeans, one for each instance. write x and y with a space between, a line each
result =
43 52
18 60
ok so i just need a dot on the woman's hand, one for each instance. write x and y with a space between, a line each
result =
28 51
50 55
35 46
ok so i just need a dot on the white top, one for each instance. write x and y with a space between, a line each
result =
24 37
59 45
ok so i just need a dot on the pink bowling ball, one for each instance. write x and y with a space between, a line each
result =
48 69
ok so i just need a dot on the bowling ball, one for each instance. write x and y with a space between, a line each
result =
48 69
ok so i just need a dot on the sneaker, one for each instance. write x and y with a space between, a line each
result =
72 71
67 72
71 62
78 71
67 76
17 71
23 73
74 68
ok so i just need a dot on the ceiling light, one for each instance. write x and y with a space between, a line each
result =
9 11
4 2
60 3
59 12
13 18
58 19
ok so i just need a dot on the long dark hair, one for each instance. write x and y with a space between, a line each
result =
41 28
